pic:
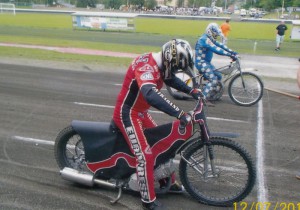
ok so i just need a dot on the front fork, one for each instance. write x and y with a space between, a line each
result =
204 164
209 160
243 82
241 73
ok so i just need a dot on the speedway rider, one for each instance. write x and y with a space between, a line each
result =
205 47
140 90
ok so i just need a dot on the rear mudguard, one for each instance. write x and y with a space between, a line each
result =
106 151
91 132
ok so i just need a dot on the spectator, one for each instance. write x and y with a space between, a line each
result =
225 27
281 28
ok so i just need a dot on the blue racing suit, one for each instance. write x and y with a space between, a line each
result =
204 50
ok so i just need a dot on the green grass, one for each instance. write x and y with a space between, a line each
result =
64 57
36 20
61 42
150 34
240 30
172 27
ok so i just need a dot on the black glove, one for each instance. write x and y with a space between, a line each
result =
185 119
233 57
196 94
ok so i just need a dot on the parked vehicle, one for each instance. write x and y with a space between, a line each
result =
253 12
243 13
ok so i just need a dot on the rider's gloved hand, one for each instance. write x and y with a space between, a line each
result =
185 119
196 94
233 57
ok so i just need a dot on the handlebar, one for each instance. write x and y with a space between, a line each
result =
191 115
184 124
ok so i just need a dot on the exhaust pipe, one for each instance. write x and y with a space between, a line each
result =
73 175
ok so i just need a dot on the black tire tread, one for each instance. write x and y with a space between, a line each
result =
228 143
59 146
232 81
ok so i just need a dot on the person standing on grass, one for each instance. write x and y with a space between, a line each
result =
226 28
281 28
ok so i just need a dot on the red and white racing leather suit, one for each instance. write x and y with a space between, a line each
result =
140 90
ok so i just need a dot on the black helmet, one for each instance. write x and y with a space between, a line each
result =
176 54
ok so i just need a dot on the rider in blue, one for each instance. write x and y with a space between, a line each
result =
206 45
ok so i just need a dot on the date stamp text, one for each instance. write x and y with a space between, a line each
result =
266 206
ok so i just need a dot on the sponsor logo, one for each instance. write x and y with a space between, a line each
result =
141 162
147 68
147 76
167 54
142 59
176 108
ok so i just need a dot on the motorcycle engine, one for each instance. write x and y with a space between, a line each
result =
133 183
162 171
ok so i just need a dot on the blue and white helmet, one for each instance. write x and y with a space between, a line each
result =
213 31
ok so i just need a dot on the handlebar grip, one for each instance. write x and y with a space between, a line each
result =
184 123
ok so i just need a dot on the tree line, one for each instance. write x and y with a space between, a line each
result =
267 5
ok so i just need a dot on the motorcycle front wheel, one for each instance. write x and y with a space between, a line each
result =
69 150
232 179
245 90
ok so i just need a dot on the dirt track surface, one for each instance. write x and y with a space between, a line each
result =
39 98
277 72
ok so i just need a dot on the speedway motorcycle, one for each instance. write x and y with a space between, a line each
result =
244 88
214 170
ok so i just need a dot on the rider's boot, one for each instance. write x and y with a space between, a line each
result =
176 188
155 205
207 102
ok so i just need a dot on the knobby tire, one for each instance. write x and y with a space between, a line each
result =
68 149
237 173
249 96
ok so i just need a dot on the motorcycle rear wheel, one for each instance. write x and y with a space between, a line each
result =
235 176
69 150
